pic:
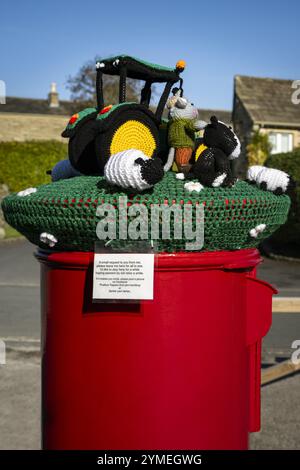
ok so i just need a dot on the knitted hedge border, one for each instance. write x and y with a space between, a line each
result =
67 210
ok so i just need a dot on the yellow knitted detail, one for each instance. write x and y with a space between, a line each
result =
133 135
199 150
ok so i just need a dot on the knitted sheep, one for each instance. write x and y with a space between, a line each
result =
270 179
133 169
183 123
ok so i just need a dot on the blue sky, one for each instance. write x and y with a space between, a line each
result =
44 41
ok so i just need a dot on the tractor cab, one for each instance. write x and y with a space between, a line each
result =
97 133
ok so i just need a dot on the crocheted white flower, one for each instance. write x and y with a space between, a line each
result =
193 186
180 176
48 239
27 192
254 232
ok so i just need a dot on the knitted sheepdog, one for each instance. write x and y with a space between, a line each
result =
270 179
212 156
133 169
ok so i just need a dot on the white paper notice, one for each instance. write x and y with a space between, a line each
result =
123 276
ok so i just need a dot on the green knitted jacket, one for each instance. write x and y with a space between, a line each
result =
181 133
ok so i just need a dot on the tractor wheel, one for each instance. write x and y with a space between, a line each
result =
128 130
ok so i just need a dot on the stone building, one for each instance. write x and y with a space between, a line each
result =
222 114
34 119
44 119
266 104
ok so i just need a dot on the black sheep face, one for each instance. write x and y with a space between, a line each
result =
152 170
218 135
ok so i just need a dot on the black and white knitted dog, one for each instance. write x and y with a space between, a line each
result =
133 169
270 179
212 156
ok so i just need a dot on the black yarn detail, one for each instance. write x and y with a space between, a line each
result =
81 148
278 191
140 71
139 161
122 84
146 94
263 186
151 170
292 184
163 100
217 134
99 89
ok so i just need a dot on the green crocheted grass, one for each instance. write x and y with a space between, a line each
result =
67 209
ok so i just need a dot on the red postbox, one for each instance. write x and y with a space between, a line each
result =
179 372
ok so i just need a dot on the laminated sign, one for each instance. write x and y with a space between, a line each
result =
123 276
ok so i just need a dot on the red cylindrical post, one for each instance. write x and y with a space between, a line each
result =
173 373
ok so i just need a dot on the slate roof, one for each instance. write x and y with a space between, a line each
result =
67 108
222 114
268 101
37 106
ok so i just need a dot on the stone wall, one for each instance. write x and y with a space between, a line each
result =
242 125
20 127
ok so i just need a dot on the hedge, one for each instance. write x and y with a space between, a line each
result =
24 164
290 163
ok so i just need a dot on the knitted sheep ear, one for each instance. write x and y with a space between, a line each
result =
181 103
139 161
214 121
172 101
200 125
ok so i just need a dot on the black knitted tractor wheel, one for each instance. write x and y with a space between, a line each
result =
128 129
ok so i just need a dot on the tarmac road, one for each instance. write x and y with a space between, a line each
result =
20 376
20 301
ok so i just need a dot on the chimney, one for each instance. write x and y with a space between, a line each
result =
53 96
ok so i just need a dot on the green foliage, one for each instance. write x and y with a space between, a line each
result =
258 149
24 164
11 232
290 163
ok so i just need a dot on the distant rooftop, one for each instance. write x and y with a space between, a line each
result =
268 100
222 114
67 108
36 106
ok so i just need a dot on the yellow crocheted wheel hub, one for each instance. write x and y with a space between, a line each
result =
133 135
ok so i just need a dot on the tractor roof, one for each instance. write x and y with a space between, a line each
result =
139 69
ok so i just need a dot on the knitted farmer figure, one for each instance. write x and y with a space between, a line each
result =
183 124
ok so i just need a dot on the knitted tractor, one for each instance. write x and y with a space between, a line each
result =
213 154
183 124
97 133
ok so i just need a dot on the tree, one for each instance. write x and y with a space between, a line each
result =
259 149
83 86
